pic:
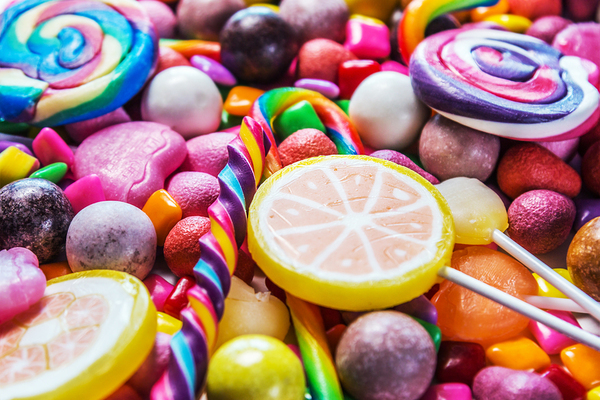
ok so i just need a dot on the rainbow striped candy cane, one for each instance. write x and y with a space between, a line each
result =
191 347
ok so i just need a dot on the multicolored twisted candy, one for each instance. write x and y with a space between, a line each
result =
506 84
339 128
191 347
71 60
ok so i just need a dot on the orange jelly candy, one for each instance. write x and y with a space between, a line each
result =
164 212
467 316
240 100
583 363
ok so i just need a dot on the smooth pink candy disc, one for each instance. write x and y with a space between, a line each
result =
448 391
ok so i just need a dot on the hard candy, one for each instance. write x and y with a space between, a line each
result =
16 164
132 160
376 9
314 19
582 40
520 353
448 150
194 192
448 391
216 71
590 168
386 112
385 354
185 99
367 38
204 19
78 131
546 28
159 290
85 191
182 246
112 235
326 88
565 149
569 387
240 99
162 17
499 383
459 362
583 258
304 144
421 308
401 159
553 342
167 58
587 210
35 214
351 73
164 212
50 148
540 220
321 58
533 9
207 153
583 363
301 115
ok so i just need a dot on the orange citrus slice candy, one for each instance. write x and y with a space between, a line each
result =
350 232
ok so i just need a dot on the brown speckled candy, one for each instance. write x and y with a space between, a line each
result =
112 235
583 258
540 220
385 355
35 214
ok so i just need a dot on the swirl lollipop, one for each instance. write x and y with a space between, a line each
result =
67 61
505 84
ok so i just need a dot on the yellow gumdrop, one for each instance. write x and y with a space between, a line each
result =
546 289
167 324
481 13
16 164
477 210
514 23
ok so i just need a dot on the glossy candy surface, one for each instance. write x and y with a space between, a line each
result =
583 261
459 362
520 353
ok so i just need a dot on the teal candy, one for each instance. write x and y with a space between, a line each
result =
53 172
434 332
301 115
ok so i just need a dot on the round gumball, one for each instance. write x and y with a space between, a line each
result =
401 159
35 214
112 235
167 58
590 168
185 99
162 17
385 355
303 144
499 383
583 258
546 28
448 150
194 192
386 112
182 246
314 19
264 369
204 19
320 59
207 153
540 220
257 45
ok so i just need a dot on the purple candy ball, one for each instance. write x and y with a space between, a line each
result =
499 383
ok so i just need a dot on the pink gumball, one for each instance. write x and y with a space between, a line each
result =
194 192
207 153
162 17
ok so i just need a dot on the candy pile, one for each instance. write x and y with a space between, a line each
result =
299 199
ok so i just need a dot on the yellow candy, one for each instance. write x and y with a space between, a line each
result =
521 353
514 23
583 363
594 394
380 9
271 6
481 13
16 164
167 324
164 212
546 289
240 100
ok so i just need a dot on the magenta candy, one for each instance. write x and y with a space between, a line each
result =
565 149
4 144
78 131
22 282
85 191
391 65
448 391
162 17
216 71
208 153
132 160
194 192
50 148
159 290
582 40
367 39
549 340
401 159
546 28
326 88
421 308
499 383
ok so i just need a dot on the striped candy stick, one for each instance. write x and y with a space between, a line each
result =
191 347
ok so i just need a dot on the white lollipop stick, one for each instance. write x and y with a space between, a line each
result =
554 303
534 264
520 306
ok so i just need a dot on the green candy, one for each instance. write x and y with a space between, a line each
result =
301 115
344 105
53 172
229 121
433 330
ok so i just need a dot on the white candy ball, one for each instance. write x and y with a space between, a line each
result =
386 112
185 99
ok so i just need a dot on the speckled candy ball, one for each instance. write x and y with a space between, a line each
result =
194 192
540 220
385 355
321 59
207 153
112 235
499 383
204 19
316 18
35 214
182 246
449 150
257 45
303 144
583 258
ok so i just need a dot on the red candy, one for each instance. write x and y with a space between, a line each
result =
352 73
590 168
459 362
177 300
182 249
303 144
321 58
568 386
159 290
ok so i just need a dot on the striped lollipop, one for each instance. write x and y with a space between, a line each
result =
71 60
191 347
506 84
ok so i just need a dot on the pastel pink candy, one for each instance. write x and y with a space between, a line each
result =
551 341
162 17
22 282
208 153
159 290
582 40
81 130
84 192
50 148
194 192
367 39
448 391
391 65
132 159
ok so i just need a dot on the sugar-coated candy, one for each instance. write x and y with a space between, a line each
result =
546 28
217 72
49 148
476 209
465 315
587 210
385 354
240 99
159 290
583 258
553 342
132 160
405 161
321 58
35 214
518 353
385 111
540 220
112 235
85 191
367 38
78 131
162 17
204 19
303 144
207 153
448 391
459 362
182 249
583 363
580 40
568 386
264 369
352 72
528 166
590 168
448 150
185 99
326 88
177 299
164 212
565 149
194 192
22 283
16 164
247 312
316 19
257 45
499 383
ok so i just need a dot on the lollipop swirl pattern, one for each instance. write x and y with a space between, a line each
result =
506 84
71 60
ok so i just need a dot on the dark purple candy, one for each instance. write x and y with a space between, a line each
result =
459 362
587 210
421 308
